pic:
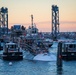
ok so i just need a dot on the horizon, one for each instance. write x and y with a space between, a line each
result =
19 12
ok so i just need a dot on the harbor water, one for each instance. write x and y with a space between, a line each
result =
32 67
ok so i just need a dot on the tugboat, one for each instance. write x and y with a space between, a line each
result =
11 51
69 51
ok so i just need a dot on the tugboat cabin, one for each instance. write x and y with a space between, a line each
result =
12 52
69 51
11 47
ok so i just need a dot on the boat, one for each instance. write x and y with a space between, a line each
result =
45 57
69 51
41 52
12 51
34 43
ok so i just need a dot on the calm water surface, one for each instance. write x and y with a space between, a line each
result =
29 67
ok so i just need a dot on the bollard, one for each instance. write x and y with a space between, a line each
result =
59 57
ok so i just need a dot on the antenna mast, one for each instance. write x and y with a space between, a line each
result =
32 20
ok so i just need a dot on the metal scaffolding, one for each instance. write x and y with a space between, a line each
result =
55 22
4 20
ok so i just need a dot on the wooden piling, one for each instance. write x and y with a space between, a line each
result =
59 56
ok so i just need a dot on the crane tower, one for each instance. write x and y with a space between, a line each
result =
55 22
4 20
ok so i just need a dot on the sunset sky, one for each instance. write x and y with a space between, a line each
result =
19 12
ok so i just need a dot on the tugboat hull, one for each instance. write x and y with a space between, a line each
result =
69 51
69 56
13 56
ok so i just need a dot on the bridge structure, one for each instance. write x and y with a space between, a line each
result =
55 22
3 20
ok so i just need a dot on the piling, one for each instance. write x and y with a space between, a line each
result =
59 57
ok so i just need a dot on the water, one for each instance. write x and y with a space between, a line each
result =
30 67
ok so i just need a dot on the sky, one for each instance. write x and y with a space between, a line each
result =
19 12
